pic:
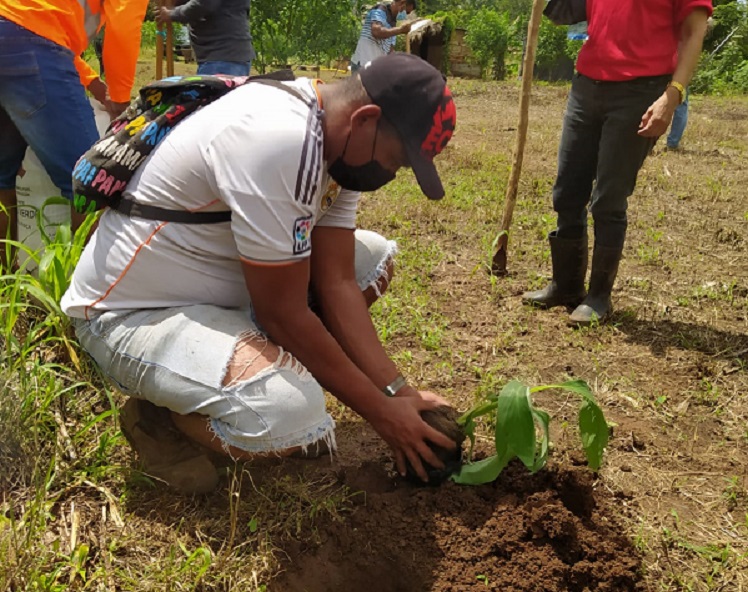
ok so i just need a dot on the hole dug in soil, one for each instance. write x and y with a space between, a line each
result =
548 532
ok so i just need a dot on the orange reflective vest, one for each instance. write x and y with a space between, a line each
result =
73 23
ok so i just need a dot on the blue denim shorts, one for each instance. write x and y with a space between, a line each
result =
178 358
42 105
227 68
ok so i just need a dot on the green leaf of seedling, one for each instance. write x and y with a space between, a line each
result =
542 418
469 430
478 473
593 429
467 420
78 562
594 432
515 427
253 525
41 218
475 412
575 386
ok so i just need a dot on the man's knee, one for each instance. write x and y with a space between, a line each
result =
272 403
377 288
253 353
374 263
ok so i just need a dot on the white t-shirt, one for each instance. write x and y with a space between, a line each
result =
256 151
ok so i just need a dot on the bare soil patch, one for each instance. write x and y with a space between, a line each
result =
549 532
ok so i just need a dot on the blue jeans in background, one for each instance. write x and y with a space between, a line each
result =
228 68
42 105
680 119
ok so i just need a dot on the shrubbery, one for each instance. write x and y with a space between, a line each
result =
324 31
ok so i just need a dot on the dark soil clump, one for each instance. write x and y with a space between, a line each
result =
443 419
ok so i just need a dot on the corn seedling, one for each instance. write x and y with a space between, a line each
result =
62 251
522 430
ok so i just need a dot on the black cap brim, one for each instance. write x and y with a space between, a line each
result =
425 172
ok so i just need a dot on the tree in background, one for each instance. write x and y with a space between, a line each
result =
320 31
724 62
488 38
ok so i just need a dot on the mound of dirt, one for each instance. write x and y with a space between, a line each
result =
549 532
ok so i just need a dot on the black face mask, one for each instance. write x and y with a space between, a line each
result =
369 176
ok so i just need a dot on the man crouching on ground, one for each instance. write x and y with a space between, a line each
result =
208 327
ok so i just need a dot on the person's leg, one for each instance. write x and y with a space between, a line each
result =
678 126
622 153
226 68
577 159
12 150
41 93
212 361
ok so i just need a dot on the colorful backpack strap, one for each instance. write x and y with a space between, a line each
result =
103 172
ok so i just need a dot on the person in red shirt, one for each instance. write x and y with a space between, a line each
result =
631 76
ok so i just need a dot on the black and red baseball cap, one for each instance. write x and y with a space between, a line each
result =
415 99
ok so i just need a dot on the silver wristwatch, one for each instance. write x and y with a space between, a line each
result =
391 389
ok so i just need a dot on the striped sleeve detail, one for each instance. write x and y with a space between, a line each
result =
310 167
375 15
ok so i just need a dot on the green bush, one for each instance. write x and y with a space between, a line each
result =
488 38
740 78
318 30
552 44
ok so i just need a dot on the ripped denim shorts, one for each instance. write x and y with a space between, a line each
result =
177 358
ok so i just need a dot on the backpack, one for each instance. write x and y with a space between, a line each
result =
102 173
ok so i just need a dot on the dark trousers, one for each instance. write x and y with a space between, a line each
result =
601 153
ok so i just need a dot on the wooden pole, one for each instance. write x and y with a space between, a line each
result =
169 43
159 46
498 267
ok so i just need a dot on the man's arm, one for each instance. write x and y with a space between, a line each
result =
380 28
189 12
92 83
659 115
279 298
379 31
124 19
343 308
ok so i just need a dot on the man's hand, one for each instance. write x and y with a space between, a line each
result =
400 425
100 92
404 28
115 109
163 16
98 88
656 120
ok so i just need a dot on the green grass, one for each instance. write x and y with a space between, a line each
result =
63 460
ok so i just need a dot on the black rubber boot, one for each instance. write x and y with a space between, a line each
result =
597 307
569 259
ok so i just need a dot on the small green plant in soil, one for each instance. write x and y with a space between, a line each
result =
522 430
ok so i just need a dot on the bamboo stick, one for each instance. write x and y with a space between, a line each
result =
498 266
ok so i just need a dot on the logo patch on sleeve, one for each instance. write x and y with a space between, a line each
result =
302 235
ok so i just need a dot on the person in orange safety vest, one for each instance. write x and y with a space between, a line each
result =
43 83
